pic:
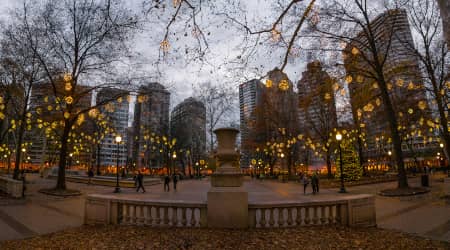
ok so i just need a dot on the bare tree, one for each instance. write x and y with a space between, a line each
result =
82 40
370 56
218 101
433 54
21 70
318 109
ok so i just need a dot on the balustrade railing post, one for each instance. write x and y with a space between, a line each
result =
158 215
183 216
271 217
338 214
141 215
330 214
148 218
280 217
263 217
174 216
192 219
298 219
125 214
132 214
289 220
166 216
307 219
323 218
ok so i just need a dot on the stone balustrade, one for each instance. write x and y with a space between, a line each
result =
271 215
148 213
11 187
162 214
351 210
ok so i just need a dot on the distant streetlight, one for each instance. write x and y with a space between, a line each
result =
21 161
118 139
339 139
441 145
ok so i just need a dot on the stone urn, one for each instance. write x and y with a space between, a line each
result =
227 200
228 173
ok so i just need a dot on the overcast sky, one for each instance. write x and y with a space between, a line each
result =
221 63
224 60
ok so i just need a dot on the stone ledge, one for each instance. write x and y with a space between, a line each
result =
399 192
61 193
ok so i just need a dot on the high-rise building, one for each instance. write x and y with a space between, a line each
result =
250 94
317 108
444 6
280 105
188 126
116 113
151 116
12 100
47 107
403 78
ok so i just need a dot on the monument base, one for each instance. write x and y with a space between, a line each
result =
227 180
227 207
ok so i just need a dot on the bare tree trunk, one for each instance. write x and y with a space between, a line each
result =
328 159
98 158
393 124
19 148
61 181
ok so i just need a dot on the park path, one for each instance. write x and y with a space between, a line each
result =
424 215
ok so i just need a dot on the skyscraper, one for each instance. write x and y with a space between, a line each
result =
444 6
47 107
402 74
151 116
317 108
250 94
188 126
116 113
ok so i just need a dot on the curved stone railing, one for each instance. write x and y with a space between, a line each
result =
162 214
101 209
13 188
268 215
354 210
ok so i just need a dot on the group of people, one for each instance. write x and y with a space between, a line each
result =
139 178
305 180
167 181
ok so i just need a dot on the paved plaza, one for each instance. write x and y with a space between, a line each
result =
426 215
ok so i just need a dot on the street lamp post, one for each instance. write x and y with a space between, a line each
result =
117 189
174 157
21 158
339 139
390 160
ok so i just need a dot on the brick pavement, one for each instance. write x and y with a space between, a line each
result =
424 215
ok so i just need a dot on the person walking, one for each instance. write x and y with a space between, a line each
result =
166 183
305 182
315 183
175 180
140 180
90 175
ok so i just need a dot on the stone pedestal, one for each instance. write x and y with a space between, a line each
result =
227 200
227 207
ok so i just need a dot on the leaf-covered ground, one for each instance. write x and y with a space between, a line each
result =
132 237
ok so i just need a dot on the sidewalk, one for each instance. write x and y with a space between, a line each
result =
426 215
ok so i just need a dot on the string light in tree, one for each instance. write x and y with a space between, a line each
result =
165 46
283 85
276 35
